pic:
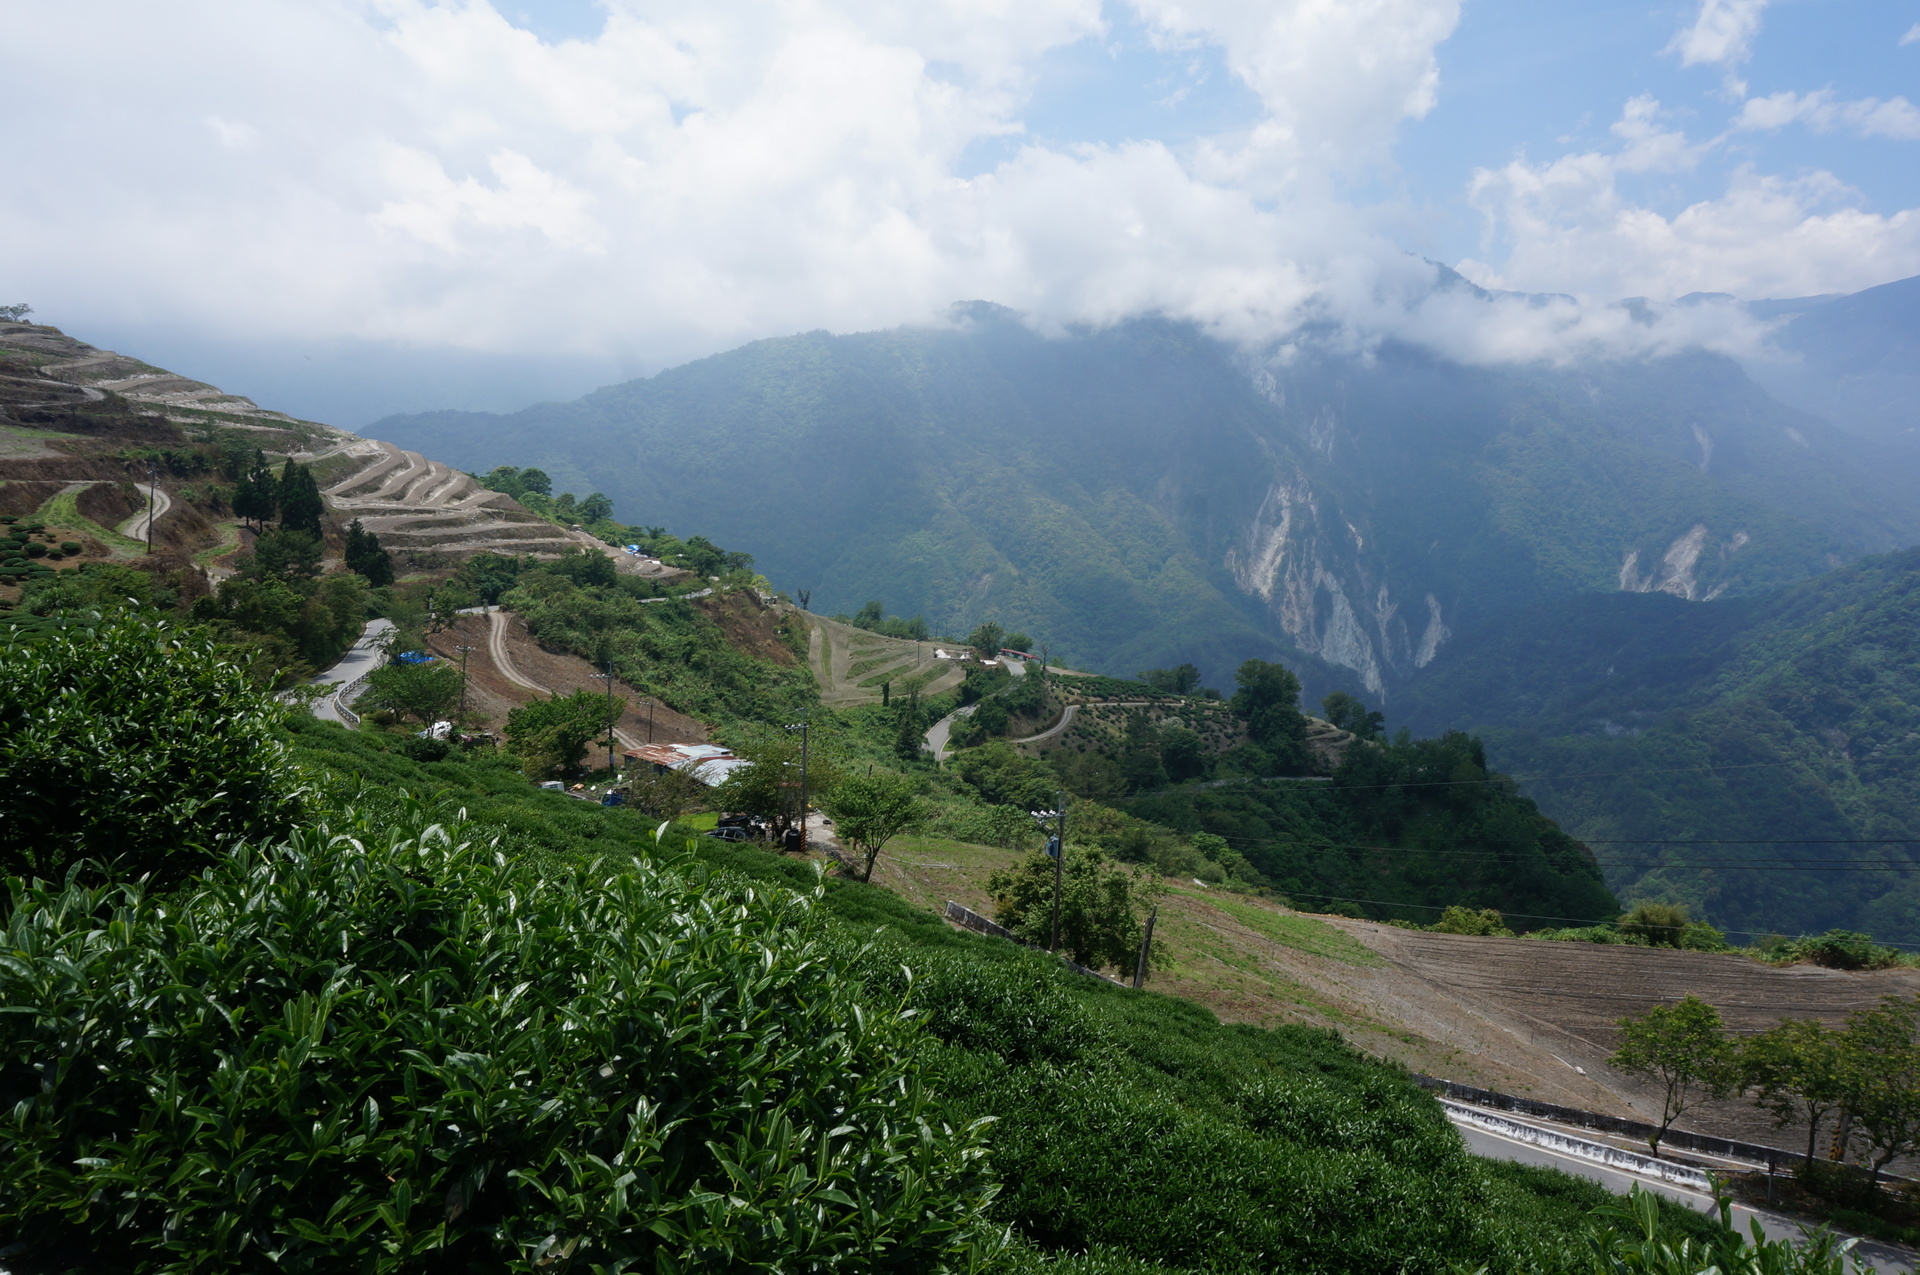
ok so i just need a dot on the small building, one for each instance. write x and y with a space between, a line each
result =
708 763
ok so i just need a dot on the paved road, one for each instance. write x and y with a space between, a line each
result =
938 733
365 656
1883 1257
135 528
1066 719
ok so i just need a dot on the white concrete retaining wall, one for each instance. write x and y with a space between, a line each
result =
1567 1144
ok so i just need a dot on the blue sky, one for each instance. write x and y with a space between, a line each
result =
345 207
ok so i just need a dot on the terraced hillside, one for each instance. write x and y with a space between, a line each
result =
66 406
850 663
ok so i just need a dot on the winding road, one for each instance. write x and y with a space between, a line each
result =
135 528
497 649
364 657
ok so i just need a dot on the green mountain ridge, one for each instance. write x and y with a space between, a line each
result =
1694 745
1144 494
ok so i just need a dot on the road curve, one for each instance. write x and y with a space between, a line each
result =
135 528
940 731
1066 720
362 658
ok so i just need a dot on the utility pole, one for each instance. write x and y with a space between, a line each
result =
1057 850
649 719
1059 858
463 681
802 728
607 677
153 484
1146 945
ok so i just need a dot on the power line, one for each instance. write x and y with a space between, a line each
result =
1744 863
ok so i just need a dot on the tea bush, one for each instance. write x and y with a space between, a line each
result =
380 1046
130 743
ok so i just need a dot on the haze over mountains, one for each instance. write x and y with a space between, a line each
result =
1144 494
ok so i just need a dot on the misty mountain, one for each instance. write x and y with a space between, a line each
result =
1694 745
1144 494
1854 360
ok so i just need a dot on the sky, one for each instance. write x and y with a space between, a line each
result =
346 208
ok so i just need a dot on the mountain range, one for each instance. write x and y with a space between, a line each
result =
1463 545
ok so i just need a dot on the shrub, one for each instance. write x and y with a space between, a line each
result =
70 546
1841 950
425 748
134 745
1660 924
35 549
385 1048
1462 920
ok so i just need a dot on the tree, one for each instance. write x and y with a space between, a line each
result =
1182 753
663 792
871 810
257 494
1685 1050
1349 714
300 504
364 555
987 639
426 692
137 745
15 313
1183 679
551 735
596 508
1268 701
1483 922
870 615
1102 907
1880 1077
1013 641
1793 1071
285 554
534 480
770 787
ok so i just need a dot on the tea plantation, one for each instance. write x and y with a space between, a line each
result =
443 1021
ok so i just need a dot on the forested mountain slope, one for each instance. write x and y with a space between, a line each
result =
1736 754
1144 494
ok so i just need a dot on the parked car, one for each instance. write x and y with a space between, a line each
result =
727 834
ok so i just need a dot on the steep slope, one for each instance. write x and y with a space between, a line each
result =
68 411
1755 757
1854 360
1144 495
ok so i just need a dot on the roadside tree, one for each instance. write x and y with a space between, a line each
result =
1793 1072
426 692
1684 1049
871 810
1880 1078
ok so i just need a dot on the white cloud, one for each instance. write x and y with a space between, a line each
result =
1721 33
1567 226
1912 36
1869 117
422 172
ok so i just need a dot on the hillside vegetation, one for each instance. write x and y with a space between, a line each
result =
537 1036
1722 754
1143 496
